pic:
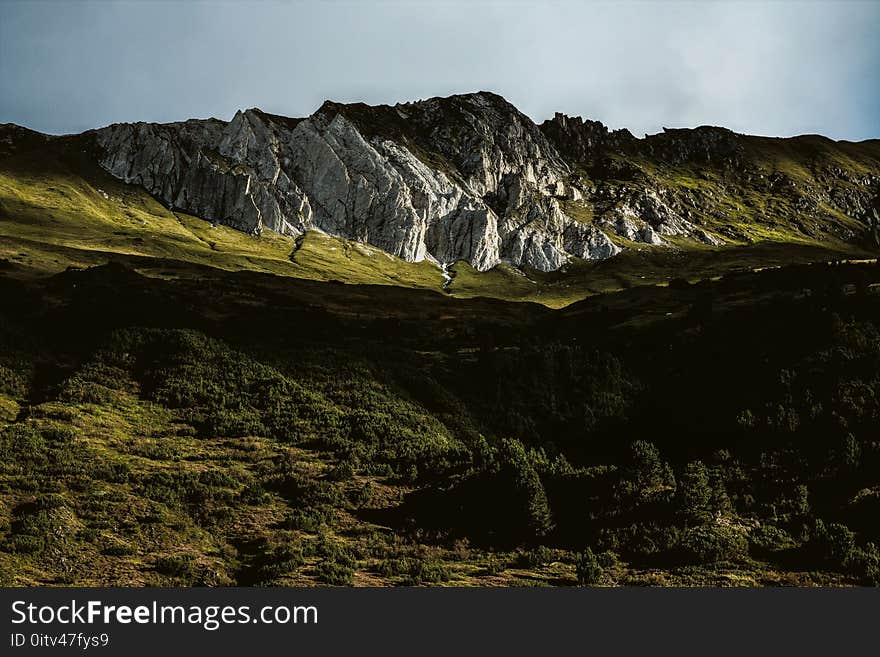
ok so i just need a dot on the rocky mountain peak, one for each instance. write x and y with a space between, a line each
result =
703 144
467 177
583 139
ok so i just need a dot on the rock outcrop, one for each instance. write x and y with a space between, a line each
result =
465 178
471 178
712 185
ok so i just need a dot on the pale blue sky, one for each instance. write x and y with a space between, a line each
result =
777 68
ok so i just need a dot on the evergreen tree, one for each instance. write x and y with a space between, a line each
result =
527 486
720 500
588 568
695 495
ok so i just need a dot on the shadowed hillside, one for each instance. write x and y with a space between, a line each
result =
243 428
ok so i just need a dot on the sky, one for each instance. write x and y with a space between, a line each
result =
772 68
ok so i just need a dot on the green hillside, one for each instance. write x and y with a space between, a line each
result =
58 209
217 428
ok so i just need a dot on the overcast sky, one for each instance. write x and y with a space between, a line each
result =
772 68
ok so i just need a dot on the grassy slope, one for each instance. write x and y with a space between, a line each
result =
58 210
233 541
639 266
112 533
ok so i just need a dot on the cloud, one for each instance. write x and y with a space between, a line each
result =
769 68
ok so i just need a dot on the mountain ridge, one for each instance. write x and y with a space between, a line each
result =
471 178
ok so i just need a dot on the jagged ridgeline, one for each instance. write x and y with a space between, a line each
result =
470 179
466 178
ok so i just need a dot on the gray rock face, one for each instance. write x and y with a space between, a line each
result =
579 139
471 178
465 178
628 225
655 215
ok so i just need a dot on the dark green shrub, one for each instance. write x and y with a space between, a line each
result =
337 569
833 543
39 524
520 489
119 550
362 495
393 567
22 445
253 494
12 383
494 565
640 539
711 544
865 564
344 470
281 561
644 473
117 473
311 519
26 544
427 572
767 539
414 571
695 495
182 566
608 559
537 557
588 569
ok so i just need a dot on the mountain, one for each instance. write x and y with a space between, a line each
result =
466 178
471 184
471 178
179 406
